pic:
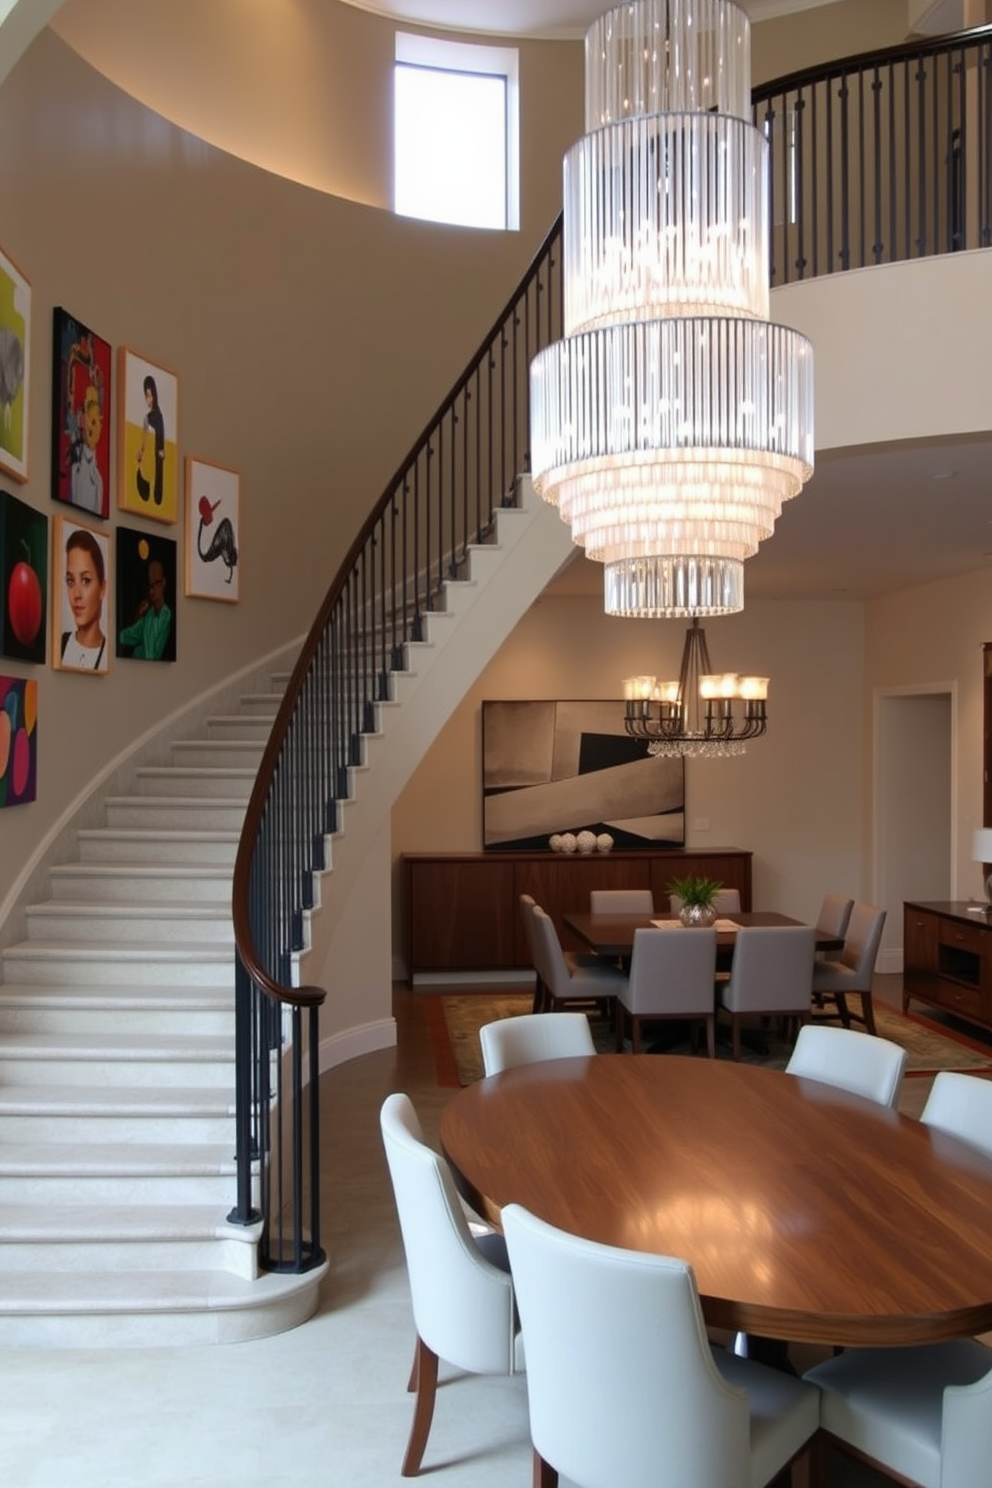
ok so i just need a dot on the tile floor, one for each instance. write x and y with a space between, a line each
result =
323 1406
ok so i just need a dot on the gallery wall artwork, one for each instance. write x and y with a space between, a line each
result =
15 368
18 741
24 575
213 531
554 767
147 437
81 404
146 596
81 611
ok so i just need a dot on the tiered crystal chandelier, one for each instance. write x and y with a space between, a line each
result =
673 419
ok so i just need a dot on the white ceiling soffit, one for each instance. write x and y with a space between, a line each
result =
545 19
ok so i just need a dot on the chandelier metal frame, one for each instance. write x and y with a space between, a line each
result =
706 714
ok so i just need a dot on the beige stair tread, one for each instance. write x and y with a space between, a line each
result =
91 1223
162 1047
47 1159
57 1292
125 950
150 998
115 1100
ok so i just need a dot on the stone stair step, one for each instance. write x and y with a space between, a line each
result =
121 963
224 754
264 703
62 919
125 1009
175 813
97 1238
136 883
106 1059
130 1172
182 780
131 845
52 1309
240 726
116 1113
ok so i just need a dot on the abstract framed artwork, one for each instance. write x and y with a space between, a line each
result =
15 368
24 575
213 531
80 608
81 376
147 437
18 741
552 767
146 595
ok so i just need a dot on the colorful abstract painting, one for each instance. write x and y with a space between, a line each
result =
18 741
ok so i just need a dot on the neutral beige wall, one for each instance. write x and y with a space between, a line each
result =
313 338
792 42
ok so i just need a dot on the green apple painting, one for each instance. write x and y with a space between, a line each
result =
24 577
18 741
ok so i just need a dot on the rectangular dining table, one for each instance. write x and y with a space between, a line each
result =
613 935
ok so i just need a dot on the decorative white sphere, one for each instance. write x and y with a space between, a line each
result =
604 842
554 842
569 842
586 842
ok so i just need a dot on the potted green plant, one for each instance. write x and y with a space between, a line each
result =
698 896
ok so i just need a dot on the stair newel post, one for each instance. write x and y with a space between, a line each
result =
243 1213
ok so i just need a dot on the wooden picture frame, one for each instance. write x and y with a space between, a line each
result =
18 741
81 401
24 575
213 531
81 564
564 766
145 564
15 368
147 437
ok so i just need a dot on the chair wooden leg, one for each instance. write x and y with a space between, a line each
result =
425 1369
619 1025
868 1011
635 1034
843 1009
411 1383
545 1476
711 1035
735 1036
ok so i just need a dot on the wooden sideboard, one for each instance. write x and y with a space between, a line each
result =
462 910
947 959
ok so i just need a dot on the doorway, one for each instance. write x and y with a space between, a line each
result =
913 815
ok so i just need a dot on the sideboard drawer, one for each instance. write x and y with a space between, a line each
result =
965 1001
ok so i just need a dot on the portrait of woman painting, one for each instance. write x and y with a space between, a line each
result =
81 371
147 438
80 579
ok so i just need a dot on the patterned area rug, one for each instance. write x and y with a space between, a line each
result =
455 1025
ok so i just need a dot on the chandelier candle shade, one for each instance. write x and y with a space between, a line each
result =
673 419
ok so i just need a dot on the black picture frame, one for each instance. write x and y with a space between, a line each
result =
146 567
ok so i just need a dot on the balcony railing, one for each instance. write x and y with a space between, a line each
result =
874 159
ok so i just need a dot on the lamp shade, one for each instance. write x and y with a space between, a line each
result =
981 845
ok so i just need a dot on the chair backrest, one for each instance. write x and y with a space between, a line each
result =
860 1062
961 1105
533 1037
772 969
527 906
835 912
621 901
463 1305
725 901
672 971
621 1383
549 958
861 943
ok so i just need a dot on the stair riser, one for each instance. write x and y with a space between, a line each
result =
236 786
102 886
106 847
118 1074
259 705
87 1130
214 968
130 1188
180 815
220 755
244 730
105 923
90 1257
173 1022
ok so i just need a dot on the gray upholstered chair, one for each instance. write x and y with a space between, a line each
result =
771 974
961 1105
463 1303
836 978
622 1384
567 978
725 901
621 901
535 1036
872 1067
835 913
671 976
922 1415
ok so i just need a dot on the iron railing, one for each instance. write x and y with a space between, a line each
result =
873 159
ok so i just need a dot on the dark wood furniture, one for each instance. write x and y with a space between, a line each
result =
613 935
462 910
807 1213
947 959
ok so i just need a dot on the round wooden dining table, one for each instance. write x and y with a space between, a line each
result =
807 1214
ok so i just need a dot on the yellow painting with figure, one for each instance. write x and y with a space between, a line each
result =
148 438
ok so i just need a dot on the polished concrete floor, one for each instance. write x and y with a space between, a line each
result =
323 1406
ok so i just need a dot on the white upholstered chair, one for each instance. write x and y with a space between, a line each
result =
623 1386
860 1062
961 1105
770 975
671 976
836 977
621 901
463 1303
725 901
923 1415
568 978
532 1037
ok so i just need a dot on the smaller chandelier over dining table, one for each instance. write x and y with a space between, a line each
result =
704 714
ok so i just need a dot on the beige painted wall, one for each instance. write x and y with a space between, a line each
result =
792 42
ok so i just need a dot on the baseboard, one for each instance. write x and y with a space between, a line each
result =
473 979
889 963
367 1038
